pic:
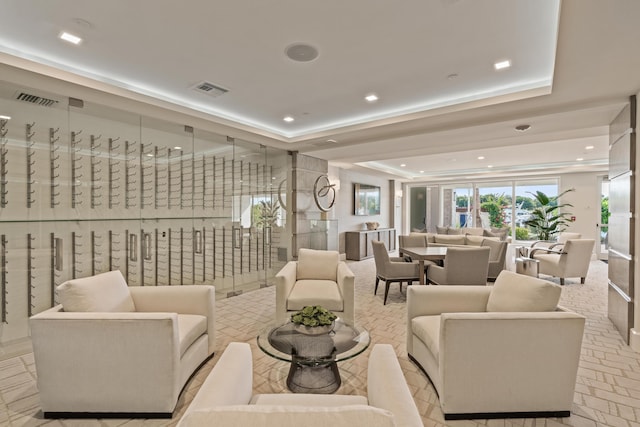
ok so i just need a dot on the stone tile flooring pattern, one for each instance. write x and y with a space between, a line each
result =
607 388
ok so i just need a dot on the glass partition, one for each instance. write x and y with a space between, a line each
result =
86 189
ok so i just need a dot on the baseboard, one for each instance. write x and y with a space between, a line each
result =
500 415
76 415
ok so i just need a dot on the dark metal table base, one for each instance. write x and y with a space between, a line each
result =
322 378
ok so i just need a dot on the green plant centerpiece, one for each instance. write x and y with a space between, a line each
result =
313 320
547 219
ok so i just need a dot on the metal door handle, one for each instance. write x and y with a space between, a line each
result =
133 247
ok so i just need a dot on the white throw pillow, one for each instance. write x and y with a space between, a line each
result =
517 292
289 416
105 292
314 264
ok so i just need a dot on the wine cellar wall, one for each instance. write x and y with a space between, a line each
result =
86 189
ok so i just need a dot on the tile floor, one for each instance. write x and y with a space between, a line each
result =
607 389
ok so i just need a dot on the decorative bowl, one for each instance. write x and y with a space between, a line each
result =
314 330
372 225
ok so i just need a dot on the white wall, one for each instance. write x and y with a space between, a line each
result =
343 210
585 200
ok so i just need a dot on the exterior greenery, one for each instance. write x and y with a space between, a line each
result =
548 219
604 209
522 233
494 204
265 214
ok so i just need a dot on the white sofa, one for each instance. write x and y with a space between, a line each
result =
316 278
109 350
502 351
225 398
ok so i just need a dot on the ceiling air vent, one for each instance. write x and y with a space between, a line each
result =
210 89
35 99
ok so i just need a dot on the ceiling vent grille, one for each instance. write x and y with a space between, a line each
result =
210 89
35 99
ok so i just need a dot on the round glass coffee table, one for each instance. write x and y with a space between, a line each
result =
313 358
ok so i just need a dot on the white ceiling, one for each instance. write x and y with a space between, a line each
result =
574 65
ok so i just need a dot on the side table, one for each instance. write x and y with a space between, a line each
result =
313 358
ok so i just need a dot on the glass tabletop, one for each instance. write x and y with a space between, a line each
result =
283 341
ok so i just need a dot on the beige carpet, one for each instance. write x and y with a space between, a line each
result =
607 390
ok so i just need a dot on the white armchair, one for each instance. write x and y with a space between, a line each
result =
316 278
502 351
572 259
112 350
551 244
225 398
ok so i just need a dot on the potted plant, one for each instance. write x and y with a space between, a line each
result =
313 320
547 220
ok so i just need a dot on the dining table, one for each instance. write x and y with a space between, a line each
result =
422 254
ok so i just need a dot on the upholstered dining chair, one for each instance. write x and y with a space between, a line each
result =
392 270
462 266
411 241
571 260
497 257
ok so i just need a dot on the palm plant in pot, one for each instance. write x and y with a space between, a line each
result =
547 219
313 320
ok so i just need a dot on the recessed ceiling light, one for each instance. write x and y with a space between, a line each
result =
273 177
288 119
5 117
371 97
579 159
501 65
177 147
489 166
149 155
70 38
480 157
523 128
589 147
421 171
332 141
403 165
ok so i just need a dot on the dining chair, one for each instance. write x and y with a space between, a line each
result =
497 257
391 270
411 241
462 266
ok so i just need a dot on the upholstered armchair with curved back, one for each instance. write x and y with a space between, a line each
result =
570 260
502 351
112 350
561 240
392 270
316 278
